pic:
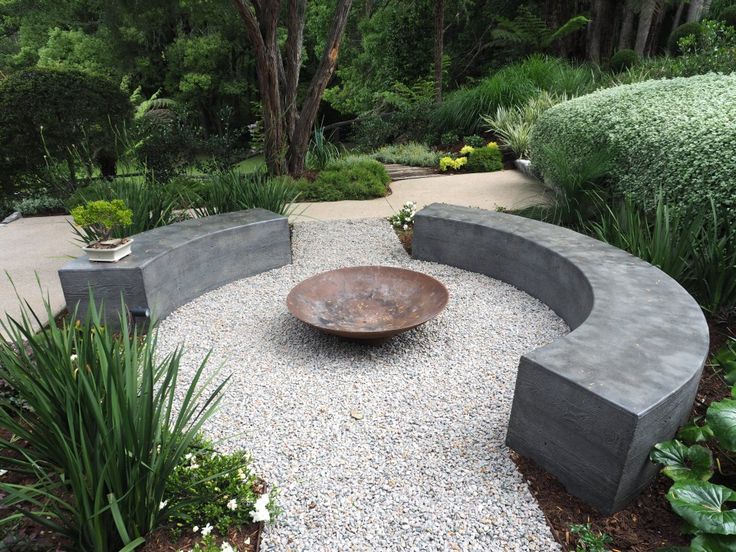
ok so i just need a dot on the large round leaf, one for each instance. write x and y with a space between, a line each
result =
702 505
721 418
713 543
682 462
694 433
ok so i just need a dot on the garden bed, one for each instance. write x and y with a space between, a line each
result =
648 523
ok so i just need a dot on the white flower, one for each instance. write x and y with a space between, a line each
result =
406 227
162 504
206 530
73 358
226 547
3 472
232 504
260 513
188 456
195 528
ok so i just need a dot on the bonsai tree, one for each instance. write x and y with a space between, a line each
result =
99 220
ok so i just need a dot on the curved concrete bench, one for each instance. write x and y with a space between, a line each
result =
588 407
172 265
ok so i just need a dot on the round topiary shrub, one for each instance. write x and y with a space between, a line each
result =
623 59
728 16
485 159
693 28
674 135
45 112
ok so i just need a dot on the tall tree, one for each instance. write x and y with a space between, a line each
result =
695 10
595 30
627 25
678 15
646 15
287 128
439 40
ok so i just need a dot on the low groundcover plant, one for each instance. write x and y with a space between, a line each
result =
404 219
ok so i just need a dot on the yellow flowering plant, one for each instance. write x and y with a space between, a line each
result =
467 150
448 162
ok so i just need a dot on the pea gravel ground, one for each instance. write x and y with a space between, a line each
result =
391 447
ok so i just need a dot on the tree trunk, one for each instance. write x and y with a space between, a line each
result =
645 23
439 39
627 27
299 140
655 30
678 15
695 11
594 31
706 8
295 25
286 129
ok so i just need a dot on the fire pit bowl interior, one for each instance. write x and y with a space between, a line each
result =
367 302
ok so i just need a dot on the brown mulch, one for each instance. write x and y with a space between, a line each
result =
405 237
648 523
243 539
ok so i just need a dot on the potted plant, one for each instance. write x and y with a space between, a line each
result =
99 221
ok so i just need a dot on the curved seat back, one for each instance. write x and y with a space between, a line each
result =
588 407
173 264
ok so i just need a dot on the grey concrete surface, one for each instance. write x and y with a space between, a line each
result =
588 407
172 265
508 189
31 251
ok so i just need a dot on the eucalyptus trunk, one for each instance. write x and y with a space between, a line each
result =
678 16
646 15
288 127
627 27
439 47
695 11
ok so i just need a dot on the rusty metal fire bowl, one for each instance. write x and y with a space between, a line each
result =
367 302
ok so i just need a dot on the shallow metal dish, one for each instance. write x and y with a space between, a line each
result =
367 302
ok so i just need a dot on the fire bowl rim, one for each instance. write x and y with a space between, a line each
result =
376 335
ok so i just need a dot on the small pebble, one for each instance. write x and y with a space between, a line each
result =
428 468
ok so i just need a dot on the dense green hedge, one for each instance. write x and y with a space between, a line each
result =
347 178
54 112
512 85
676 135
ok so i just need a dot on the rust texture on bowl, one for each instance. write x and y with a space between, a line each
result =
367 302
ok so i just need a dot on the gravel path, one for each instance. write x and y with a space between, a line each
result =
390 447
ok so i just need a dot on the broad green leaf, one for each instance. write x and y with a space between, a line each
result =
682 463
702 504
713 543
694 433
725 359
721 417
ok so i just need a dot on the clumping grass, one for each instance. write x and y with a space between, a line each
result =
512 85
233 191
411 153
102 434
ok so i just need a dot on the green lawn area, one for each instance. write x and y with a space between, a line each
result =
250 165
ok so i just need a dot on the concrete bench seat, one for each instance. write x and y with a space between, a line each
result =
174 264
588 407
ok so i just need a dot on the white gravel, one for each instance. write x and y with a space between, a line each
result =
425 466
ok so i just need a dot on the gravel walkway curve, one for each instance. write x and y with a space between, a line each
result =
390 447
